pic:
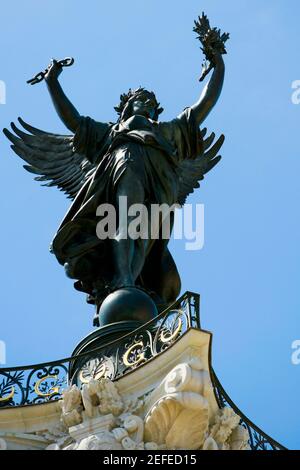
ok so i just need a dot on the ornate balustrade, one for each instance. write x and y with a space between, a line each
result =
259 440
41 383
45 382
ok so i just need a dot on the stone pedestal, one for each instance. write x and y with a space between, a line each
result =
167 402
128 386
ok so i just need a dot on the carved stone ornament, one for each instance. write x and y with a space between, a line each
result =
175 415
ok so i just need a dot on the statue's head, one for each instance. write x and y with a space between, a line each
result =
140 102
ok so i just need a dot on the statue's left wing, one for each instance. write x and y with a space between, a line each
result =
51 156
193 171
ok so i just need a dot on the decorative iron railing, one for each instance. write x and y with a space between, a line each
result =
259 440
45 382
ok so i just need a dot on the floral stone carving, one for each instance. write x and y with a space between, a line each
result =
176 415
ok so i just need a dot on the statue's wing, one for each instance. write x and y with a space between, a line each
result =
193 171
51 156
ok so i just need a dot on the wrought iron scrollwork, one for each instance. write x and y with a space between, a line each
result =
45 382
34 385
96 369
258 440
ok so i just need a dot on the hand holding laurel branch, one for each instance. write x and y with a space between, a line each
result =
213 43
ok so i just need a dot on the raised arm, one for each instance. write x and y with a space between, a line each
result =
211 91
65 109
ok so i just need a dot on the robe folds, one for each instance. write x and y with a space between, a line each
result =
153 152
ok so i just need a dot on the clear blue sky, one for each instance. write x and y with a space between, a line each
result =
248 273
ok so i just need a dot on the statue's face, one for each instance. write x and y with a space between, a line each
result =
144 105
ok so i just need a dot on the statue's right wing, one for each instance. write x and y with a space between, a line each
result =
193 171
51 156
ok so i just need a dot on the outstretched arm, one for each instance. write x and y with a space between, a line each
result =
65 109
211 91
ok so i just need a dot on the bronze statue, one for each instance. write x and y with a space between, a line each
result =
148 160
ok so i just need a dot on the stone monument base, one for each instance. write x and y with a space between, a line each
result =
168 403
131 386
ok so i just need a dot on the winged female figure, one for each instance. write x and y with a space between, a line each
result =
139 156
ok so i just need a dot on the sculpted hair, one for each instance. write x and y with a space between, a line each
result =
126 100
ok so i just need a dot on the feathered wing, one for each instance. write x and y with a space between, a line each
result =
193 171
51 156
